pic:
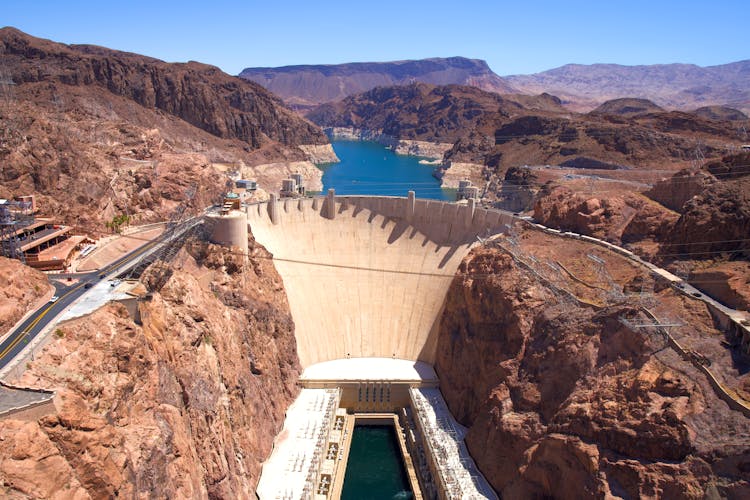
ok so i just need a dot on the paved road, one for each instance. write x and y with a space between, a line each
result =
29 329
15 398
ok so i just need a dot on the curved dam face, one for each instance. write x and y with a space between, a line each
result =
368 276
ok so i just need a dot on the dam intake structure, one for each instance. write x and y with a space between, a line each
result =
367 278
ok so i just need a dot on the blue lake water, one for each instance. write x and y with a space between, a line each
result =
370 168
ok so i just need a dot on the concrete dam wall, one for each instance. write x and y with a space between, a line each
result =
368 276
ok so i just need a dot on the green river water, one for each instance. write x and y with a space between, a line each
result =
375 470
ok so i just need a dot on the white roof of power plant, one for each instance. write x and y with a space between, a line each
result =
291 470
460 477
370 369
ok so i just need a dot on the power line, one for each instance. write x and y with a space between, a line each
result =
415 273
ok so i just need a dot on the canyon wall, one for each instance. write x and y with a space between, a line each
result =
184 405
562 400
407 147
21 287
97 133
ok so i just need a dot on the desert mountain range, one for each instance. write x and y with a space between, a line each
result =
580 87
123 133
308 85
559 396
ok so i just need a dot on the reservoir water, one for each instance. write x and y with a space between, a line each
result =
370 168
375 470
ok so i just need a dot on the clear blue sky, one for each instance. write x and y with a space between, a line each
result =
513 37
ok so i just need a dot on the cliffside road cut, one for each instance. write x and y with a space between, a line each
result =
25 333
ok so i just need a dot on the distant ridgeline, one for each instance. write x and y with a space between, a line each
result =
305 86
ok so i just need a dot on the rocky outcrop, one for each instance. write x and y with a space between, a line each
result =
452 172
517 190
562 400
424 149
21 287
627 106
308 85
619 219
275 173
185 405
419 111
717 218
199 94
727 282
673 192
720 113
320 153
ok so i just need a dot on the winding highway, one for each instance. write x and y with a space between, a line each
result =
22 336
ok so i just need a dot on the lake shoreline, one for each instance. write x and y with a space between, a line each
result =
370 168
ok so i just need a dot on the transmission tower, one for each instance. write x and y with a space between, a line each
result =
600 266
172 244
651 323
6 86
699 158
742 132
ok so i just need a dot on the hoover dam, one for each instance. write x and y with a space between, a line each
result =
366 278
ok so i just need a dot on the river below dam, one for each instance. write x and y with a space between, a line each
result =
370 168
375 471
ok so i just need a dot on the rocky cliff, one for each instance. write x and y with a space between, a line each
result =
619 219
418 111
309 85
20 288
562 400
714 207
199 94
184 405
513 130
98 133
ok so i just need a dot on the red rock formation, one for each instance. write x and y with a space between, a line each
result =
727 282
202 95
562 400
717 220
20 288
673 192
185 405
97 133
622 218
